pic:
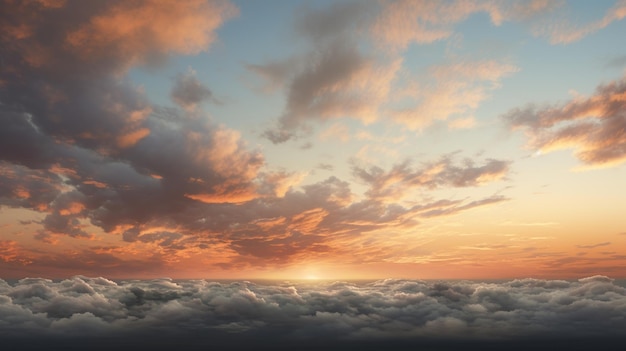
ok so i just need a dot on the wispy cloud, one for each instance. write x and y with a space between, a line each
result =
565 32
592 126
450 90
402 178
593 246
402 23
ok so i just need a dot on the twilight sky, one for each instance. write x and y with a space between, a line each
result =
312 139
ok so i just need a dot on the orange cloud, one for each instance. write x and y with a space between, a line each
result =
226 197
563 32
72 208
407 21
133 30
450 90
592 126
10 251
131 138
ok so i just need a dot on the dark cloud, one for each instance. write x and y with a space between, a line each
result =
607 243
81 143
188 91
334 79
617 62
336 20
593 126
325 166
400 310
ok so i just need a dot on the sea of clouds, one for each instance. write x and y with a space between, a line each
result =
80 307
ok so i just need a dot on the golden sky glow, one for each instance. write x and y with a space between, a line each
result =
312 140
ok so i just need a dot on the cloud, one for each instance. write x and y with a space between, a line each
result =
244 314
592 126
462 123
593 246
335 78
618 62
401 178
188 91
452 90
10 251
564 32
402 23
132 31
336 131
344 74
155 187
337 81
83 145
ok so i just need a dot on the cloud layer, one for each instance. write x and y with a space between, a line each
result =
250 314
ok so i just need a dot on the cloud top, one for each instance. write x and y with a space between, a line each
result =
592 307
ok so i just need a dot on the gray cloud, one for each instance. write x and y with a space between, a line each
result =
79 142
408 310
617 62
444 173
188 91
334 78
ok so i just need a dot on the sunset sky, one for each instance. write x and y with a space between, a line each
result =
313 139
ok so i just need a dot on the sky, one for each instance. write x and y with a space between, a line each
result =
312 139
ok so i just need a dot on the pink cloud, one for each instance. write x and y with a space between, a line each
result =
404 22
565 32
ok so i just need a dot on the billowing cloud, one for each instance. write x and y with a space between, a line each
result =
243 315
142 186
82 144
593 126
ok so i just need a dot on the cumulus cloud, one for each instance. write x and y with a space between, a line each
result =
593 126
412 311
82 144
89 155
